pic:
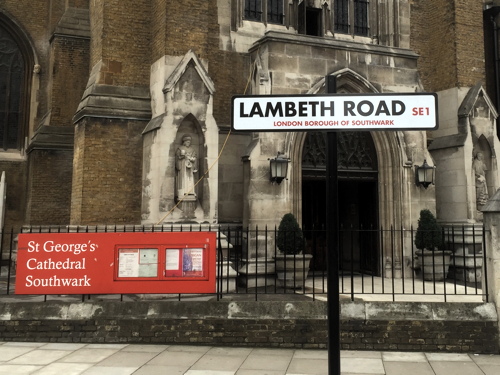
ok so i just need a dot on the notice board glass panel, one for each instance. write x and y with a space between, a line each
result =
137 263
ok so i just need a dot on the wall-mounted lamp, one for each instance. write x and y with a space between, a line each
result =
278 167
424 174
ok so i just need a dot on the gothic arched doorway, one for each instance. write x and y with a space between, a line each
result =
358 200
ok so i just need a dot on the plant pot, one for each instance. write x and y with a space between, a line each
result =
466 267
433 265
292 270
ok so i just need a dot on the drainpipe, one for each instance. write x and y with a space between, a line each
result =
493 13
495 47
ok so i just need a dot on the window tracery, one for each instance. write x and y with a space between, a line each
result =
12 74
355 151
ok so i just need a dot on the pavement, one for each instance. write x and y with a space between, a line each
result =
124 359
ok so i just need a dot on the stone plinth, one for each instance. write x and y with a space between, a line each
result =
257 272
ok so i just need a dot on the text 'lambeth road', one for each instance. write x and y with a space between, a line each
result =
309 112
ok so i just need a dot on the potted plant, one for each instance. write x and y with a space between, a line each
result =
292 265
432 261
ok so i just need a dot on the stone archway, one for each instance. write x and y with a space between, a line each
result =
393 178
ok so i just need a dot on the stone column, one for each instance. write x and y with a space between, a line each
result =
491 215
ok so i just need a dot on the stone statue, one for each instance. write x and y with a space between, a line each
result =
479 168
186 165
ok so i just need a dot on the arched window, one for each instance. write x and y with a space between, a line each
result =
14 83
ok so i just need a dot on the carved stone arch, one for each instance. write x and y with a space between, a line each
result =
389 148
348 81
182 103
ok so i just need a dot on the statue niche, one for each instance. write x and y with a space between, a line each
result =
479 168
186 166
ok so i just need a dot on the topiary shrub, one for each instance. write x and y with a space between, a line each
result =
429 234
290 239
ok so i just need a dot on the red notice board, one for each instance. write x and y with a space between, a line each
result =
116 263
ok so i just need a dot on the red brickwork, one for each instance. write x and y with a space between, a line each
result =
121 39
69 66
107 176
50 173
448 36
470 43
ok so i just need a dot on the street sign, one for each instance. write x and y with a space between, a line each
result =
407 111
331 113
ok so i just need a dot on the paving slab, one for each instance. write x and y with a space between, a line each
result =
118 359
176 358
403 357
127 359
39 357
310 354
239 352
362 365
88 355
455 368
266 362
99 370
359 354
448 357
209 372
490 369
18 369
219 363
160 370
64 369
305 366
145 348
485 359
8 353
260 372
61 346
399 368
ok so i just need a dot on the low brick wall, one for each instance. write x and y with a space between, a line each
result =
440 327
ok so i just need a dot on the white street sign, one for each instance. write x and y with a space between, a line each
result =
413 111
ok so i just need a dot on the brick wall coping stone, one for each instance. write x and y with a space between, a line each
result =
357 310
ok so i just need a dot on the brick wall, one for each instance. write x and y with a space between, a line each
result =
453 337
156 323
50 173
470 42
121 38
448 36
69 67
107 171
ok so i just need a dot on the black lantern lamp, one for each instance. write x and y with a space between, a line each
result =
278 167
424 174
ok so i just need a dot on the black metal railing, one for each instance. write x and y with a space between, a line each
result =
381 264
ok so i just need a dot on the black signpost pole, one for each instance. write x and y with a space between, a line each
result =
332 227
297 113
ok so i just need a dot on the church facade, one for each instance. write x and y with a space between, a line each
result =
120 113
